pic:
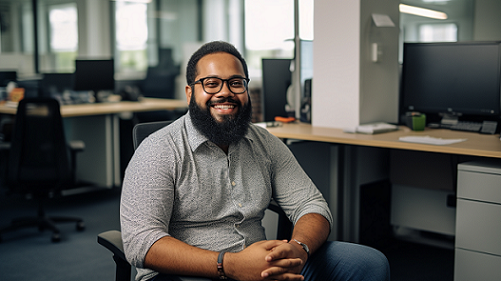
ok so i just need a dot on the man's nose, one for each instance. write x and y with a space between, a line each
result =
225 90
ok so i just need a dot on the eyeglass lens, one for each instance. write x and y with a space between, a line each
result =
213 85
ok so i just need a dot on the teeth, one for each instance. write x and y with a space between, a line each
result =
224 106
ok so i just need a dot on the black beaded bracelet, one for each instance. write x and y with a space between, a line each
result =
220 269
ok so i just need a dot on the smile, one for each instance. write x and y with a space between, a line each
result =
224 106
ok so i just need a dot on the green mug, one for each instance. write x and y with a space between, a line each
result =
415 121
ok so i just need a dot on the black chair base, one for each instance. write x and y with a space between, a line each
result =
43 222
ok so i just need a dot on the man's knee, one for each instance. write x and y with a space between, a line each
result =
347 261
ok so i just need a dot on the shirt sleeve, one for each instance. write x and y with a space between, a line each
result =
147 199
293 190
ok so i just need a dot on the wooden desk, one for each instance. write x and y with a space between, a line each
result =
98 126
358 160
146 104
475 145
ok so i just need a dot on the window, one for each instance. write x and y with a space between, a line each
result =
63 22
445 32
306 19
131 29
269 29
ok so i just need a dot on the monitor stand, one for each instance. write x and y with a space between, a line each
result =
99 97
449 119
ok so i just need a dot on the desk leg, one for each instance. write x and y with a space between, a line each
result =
117 178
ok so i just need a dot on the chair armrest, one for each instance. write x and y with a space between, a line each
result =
76 145
4 146
112 240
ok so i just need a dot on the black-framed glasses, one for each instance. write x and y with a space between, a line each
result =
214 85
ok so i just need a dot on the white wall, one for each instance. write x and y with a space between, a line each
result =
487 23
22 63
348 88
379 90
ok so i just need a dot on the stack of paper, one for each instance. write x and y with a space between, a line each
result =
376 128
430 140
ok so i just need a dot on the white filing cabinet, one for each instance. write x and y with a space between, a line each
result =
478 222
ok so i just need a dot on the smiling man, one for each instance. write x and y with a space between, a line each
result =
221 108
195 192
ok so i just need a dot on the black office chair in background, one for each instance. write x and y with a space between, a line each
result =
112 239
40 162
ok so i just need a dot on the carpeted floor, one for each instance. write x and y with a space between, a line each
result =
29 255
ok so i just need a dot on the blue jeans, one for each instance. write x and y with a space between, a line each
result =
334 261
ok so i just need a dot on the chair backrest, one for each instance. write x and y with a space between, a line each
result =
142 130
39 156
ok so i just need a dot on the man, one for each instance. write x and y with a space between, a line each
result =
195 192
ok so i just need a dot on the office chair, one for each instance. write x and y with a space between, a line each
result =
112 239
40 162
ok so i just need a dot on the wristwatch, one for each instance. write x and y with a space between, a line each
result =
305 247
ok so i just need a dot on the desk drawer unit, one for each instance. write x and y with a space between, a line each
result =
478 222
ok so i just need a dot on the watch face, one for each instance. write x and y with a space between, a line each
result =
305 248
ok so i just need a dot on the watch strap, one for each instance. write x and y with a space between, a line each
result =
305 247
220 269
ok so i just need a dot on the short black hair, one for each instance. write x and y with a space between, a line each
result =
210 48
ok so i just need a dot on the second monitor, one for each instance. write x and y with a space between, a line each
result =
94 75
276 80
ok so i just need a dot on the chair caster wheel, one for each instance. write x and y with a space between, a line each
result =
56 237
80 226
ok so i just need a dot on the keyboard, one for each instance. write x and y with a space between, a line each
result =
466 126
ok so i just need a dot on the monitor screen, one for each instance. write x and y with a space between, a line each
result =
460 78
277 78
94 75
56 83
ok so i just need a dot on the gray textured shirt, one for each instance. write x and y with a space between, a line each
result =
180 184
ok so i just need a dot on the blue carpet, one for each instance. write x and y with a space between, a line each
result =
29 254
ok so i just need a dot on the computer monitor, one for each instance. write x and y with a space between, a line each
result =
277 78
458 80
56 83
6 77
94 75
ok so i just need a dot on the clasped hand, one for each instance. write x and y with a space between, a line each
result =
266 260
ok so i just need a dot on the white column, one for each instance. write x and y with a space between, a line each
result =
94 29
348 87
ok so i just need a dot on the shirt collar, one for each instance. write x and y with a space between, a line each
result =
195 138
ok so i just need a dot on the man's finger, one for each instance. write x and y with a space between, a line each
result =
280 252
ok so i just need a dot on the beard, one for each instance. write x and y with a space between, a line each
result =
230 130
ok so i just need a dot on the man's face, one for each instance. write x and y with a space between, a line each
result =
223 117
224 105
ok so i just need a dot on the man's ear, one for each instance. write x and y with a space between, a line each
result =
188 92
